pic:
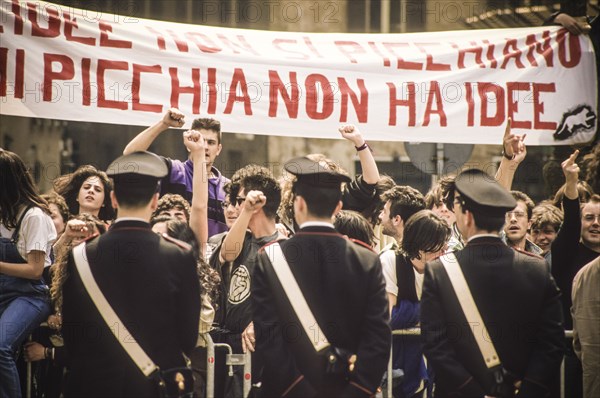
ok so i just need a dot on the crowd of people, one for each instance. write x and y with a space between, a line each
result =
181 252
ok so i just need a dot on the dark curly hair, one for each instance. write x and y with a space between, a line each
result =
68 187
372 211
59 270
404 201
55 199
172 201
258 178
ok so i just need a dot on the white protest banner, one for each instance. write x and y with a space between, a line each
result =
454 87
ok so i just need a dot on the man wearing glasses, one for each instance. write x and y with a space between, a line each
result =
253 198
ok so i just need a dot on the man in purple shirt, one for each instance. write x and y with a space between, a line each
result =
180 176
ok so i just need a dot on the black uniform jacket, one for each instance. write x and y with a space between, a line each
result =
520 305
153 287
343 285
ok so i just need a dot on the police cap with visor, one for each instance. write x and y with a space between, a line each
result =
313 174
482 194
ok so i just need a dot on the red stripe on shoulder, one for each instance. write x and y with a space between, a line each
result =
181 244
528 253
360 242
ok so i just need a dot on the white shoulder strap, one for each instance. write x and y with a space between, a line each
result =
463 293
294 294
118 328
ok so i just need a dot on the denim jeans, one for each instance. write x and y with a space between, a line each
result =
18 318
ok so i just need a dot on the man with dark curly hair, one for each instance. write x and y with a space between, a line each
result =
173 205
401 202
255 194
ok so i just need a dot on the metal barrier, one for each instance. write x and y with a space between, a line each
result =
231 360
29 376
417 332
398 332
568 335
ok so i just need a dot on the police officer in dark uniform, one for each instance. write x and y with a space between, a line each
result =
344 288
515 294
149 280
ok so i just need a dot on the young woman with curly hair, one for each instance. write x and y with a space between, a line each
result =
49 379
87 190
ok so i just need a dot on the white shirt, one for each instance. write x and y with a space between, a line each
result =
316 224
37 233
388 262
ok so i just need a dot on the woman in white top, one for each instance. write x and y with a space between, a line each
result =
26 236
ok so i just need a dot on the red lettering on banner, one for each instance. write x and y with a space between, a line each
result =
53 29
136 105
103 66
470 105
85 78
238 80
360 106
242 45
105 41
278 42
67 72
20 74
435 95
410 102
312 97
3 70
311 47
490 54
513 106
348 48
538 106
212 91
476 50
71 24
194 89
160 39
430 65
16 9
574 49
210 47
498 118
511 50
181 45
544 48
402 64
291 101
386 60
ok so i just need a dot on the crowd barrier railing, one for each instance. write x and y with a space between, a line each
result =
417 332
231 360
